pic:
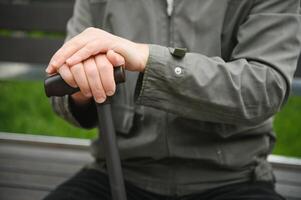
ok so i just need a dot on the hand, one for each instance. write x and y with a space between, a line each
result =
94 77
93 41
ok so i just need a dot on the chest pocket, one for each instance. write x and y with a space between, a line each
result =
98 9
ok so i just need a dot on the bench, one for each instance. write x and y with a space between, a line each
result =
36 30
31 166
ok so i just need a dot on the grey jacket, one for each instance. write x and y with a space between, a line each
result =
202 120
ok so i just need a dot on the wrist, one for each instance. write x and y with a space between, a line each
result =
135 54
144 54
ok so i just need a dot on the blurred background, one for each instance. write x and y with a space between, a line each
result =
30 32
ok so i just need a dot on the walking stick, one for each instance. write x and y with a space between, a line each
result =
55 86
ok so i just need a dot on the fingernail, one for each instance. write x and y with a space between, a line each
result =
119 61
47 70
74 85
109 93
101 100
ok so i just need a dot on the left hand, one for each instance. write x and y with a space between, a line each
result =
94 77
93 41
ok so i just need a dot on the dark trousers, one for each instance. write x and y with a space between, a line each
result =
91 184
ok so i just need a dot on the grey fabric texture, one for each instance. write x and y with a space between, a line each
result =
205 120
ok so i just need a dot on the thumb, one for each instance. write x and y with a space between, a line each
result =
115 58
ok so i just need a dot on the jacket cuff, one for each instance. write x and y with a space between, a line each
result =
80 116
162 67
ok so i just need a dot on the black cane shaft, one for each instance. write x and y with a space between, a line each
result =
55 86
108 136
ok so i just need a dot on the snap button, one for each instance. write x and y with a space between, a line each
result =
178 70
178 52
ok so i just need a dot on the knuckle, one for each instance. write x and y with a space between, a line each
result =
76 69
72 45
104 66
90 29
91 71
62 49
91 48
101 66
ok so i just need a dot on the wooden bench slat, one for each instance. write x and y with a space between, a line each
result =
30 181
8 193
290 177
37 167
42 154
29 50
42 16
289 191
27 166
24 151
21 71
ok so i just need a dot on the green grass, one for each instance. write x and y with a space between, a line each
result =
287 125
25 109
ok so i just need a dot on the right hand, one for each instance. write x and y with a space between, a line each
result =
93 41
94 77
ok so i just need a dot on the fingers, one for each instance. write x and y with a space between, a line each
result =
94 80
106 73
115 59
88 43
81 79
67 50
67 75
90 49
94 77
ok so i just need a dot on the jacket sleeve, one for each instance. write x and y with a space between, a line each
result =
84 116
247 89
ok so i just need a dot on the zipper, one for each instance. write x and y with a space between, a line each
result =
169 12
169 9
171 172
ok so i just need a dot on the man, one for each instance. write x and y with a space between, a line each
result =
193 124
